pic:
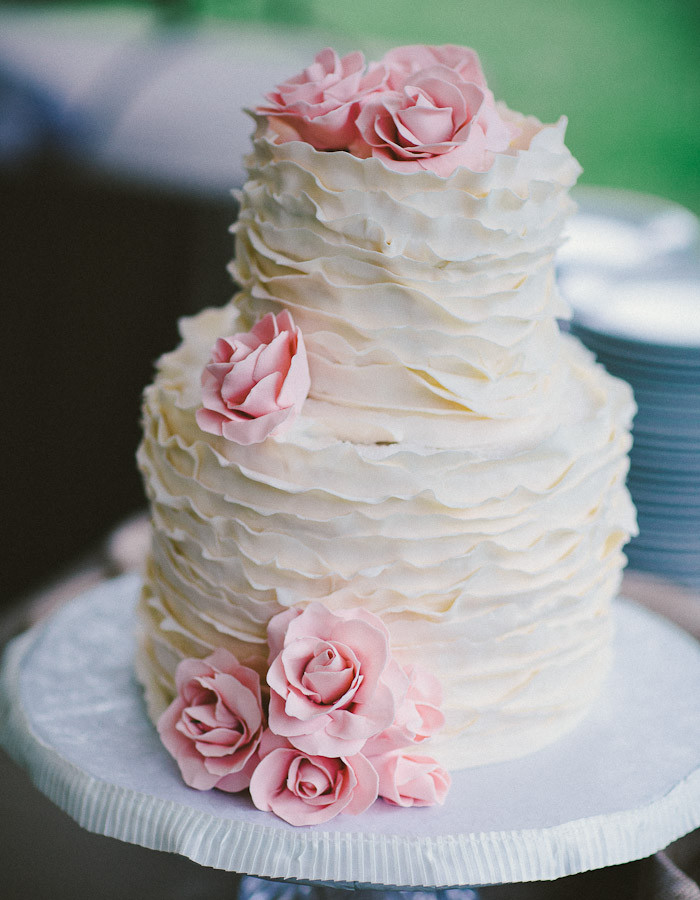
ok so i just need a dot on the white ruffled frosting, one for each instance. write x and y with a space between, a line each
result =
458 468
427 304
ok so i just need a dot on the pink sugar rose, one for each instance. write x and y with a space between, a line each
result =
434 119
417 718
333 684
320 104
256 382
404 61
214 725
304 789
406 779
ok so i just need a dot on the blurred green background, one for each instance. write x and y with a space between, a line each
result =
625 72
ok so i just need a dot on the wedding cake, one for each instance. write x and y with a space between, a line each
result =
387 491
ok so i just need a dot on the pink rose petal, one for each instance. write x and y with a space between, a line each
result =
277 629
243 430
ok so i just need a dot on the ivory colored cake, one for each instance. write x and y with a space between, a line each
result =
458 466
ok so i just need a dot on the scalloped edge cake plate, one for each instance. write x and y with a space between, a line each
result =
622 785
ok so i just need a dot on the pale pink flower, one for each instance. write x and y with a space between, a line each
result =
319 105
406 779
304 789
404 61
417 718
214 725
333 684
255 382
433 118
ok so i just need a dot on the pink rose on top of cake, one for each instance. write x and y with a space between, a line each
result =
407 779
214 725
333 682
435 113
255 382
304 789
319 105
403 61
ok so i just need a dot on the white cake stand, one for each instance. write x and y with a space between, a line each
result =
622 786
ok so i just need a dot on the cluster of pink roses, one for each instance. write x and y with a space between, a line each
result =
341 727
420 107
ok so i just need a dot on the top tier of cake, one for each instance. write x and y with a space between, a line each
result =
427 304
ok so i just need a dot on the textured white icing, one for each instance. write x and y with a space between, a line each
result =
458 468
427 304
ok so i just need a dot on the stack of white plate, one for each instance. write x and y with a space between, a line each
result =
643 324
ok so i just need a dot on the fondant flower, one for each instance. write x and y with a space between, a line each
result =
406 779
319 105
418 717
256 382
433 118
403 61
333 684
214 725
304 789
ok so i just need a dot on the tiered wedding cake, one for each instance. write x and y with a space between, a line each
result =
387 418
